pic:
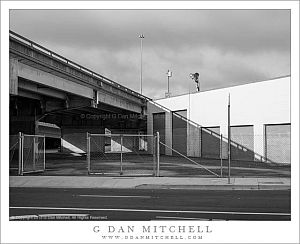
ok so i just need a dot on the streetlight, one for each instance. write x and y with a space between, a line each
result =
195 77
169 73
141 36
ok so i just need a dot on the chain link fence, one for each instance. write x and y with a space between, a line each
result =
33 155
272 148
26 153
14 153
201 153
204 153
178 164
121 154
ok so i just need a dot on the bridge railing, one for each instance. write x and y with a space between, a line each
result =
50 53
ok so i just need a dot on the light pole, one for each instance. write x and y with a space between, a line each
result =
195 77
192 77
169 73
141 36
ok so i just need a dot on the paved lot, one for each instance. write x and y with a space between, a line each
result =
68 164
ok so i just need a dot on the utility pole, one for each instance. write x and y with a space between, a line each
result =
229 140
141 36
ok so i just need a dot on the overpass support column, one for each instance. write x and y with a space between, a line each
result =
13 76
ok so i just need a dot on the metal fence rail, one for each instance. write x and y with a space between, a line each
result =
121 154
259 156
186 162
14 152
31 153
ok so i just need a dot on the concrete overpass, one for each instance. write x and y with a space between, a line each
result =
52 94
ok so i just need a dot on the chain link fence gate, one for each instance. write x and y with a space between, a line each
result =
179 164
122 154
31 153
14 154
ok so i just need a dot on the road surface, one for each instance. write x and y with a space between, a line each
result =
148 204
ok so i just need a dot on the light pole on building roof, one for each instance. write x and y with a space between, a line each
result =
195 77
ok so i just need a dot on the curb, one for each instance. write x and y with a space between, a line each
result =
274 187
214 187
111 183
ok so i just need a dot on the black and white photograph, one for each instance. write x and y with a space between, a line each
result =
167 122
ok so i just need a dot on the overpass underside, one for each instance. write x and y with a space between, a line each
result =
53 96
58 123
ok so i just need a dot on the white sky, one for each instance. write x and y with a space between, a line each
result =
227 47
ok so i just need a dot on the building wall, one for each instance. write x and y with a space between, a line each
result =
179 132
256 104
152 109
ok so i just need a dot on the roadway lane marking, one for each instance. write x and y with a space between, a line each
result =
151 210
106 196
179 218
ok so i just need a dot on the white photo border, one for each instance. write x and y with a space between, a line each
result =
83 232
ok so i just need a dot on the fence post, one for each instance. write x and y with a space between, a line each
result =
157 153
20 170
154 154
34 153
221 153
44 152
229 140
121 161
88 152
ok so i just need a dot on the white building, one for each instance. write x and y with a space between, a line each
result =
260 121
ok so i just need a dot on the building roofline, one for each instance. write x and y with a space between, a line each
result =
183 94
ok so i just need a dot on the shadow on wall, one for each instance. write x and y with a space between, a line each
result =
193 140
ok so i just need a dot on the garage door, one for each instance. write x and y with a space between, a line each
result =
179 132
159 125
278 143
244 146
210 143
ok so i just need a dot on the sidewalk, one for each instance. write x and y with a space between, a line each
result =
150 183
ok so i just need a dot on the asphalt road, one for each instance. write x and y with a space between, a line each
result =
146 204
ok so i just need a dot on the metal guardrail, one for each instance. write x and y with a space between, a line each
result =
52 54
